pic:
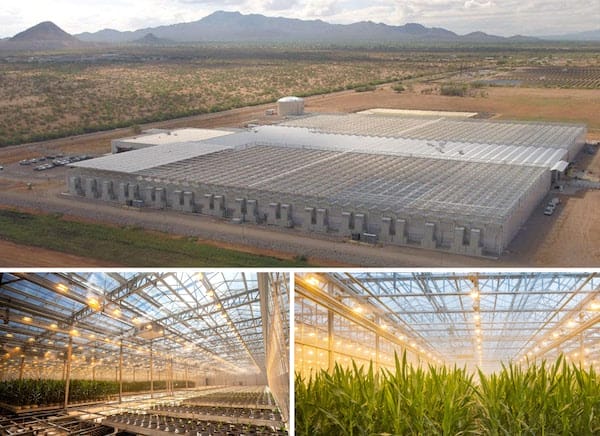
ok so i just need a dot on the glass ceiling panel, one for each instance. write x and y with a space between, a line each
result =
211 320
480 319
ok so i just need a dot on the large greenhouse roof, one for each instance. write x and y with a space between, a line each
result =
538 144
449 188
479 319
553 135
206 320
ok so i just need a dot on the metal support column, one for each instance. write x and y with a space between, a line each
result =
21 367
68 371
151 373
263 289
171 375
376 352
330 357
120 372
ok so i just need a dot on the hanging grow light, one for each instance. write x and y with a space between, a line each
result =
150 331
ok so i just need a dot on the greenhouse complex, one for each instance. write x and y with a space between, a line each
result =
464 186
144 353
447 353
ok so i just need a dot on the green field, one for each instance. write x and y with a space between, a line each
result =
124 246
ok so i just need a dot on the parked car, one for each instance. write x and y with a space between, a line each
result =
61 161
549 210
44 167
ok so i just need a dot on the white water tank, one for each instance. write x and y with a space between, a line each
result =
290 106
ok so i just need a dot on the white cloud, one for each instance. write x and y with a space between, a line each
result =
473 4
278 5
322 8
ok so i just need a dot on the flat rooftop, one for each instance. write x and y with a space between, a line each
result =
144 158
419 113
175 136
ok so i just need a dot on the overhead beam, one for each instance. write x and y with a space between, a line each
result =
313 293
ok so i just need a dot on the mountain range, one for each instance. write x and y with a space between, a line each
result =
223 26
235 27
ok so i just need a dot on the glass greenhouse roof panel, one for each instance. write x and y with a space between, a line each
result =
403 185
209 319
528 134
496 316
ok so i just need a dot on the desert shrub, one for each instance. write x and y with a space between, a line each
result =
365 88
398 87
454 89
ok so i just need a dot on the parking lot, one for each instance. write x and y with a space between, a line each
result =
40 168
43 163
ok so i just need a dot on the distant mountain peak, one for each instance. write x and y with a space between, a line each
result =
414 26
47 31
224 13
152 39
42 36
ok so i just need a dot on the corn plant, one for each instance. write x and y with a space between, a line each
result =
44 392
540 399
354 391
544 399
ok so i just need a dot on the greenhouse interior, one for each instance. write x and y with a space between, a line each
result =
97 353
447 353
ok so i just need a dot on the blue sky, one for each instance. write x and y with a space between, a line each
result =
500 17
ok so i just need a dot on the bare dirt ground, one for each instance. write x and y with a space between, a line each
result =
569 238
574 237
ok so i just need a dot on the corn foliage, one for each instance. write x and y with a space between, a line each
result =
44 392
548 399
